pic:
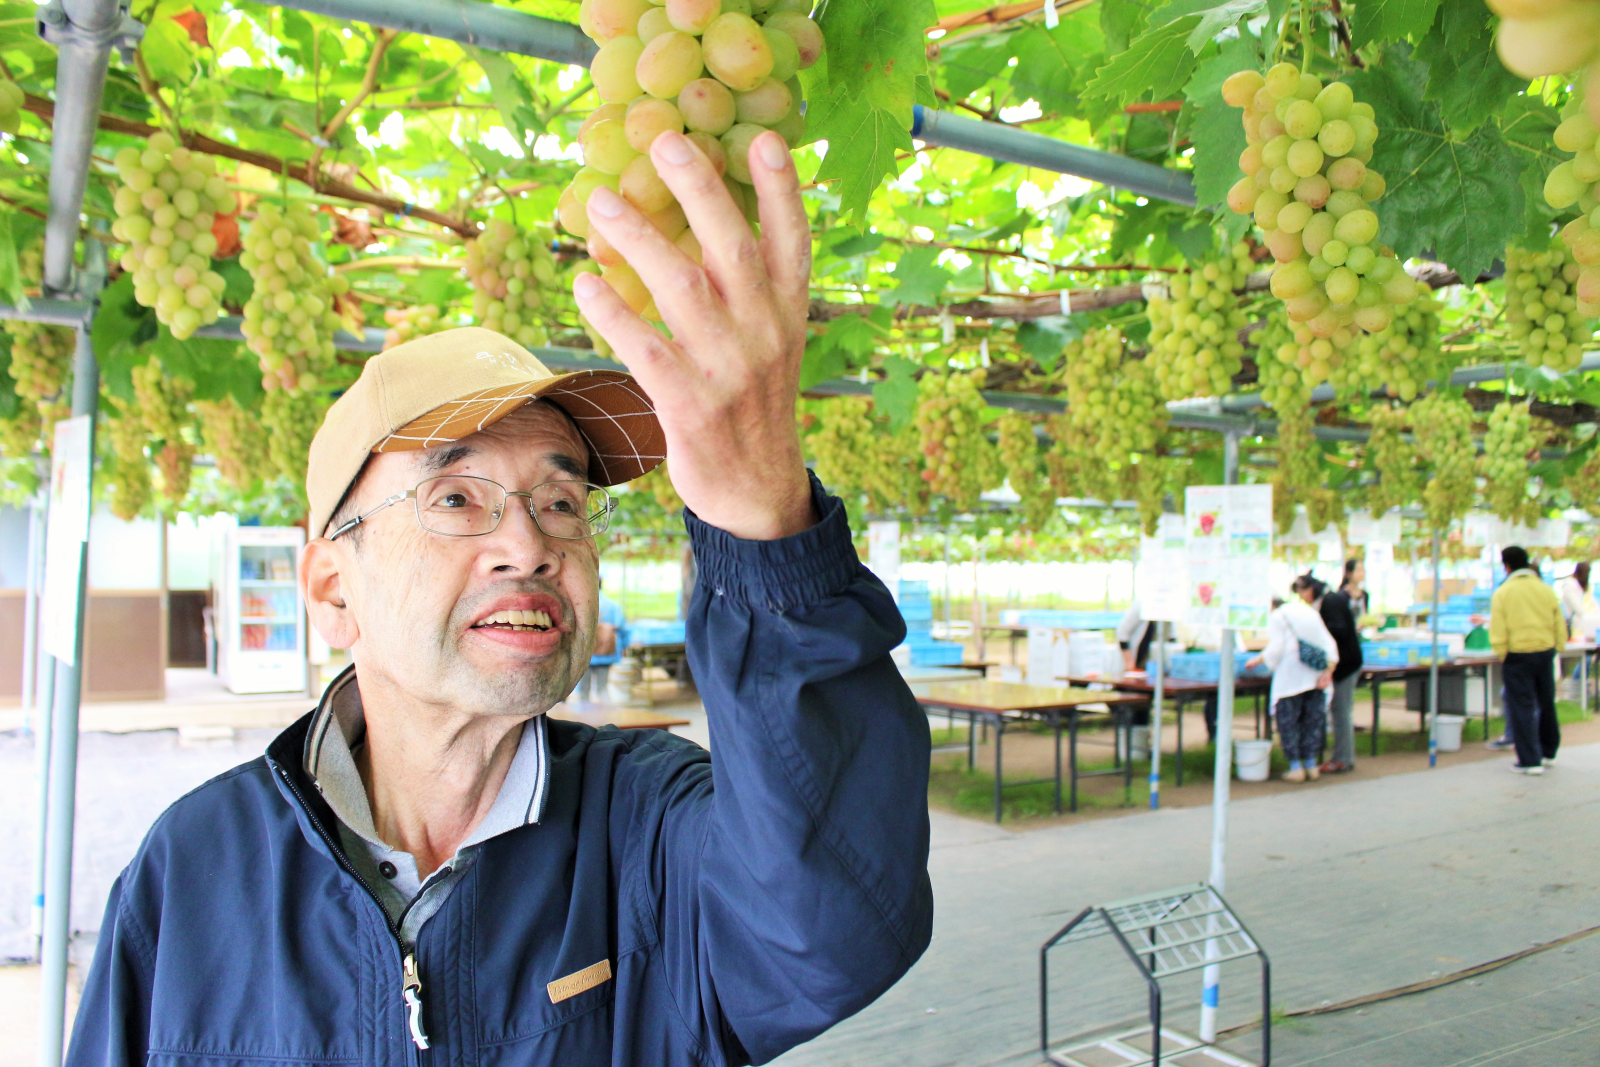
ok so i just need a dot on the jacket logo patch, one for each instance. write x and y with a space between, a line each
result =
573 984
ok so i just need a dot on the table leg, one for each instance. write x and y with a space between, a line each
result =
1181 705
649 691
1127 771
1377 696
1072 755
972 740
1266 714
1055 719
999 732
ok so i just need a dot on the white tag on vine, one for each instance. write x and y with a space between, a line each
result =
947 326
1051 19
983 352
1066 301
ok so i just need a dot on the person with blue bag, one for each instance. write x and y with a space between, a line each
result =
1301 654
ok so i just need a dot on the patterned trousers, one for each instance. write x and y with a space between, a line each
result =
1302 720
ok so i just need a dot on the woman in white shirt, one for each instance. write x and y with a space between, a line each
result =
1299 690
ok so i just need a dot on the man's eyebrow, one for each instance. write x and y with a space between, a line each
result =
435 460
567 465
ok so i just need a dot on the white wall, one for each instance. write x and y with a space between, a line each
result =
123 555
13 548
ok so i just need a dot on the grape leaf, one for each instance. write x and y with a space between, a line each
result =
1213 17
1456 198
918 279
854 244
1121 21
510 93
896 396
1045 339
1157 63
1215 128
1465 76
821 361
1377 21
861 92
969 66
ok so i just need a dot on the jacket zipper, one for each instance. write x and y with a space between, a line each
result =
411 975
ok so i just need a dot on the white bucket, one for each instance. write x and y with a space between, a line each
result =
1253 760
1449 727
1140 739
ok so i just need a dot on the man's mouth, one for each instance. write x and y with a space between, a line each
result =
517 621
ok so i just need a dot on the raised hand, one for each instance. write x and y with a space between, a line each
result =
724 385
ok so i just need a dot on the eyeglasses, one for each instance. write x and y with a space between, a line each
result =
460 505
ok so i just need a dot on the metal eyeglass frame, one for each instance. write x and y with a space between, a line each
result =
601 522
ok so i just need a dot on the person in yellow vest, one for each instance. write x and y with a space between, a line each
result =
1526 631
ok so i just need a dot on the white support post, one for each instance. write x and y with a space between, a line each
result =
1155 714
1433 666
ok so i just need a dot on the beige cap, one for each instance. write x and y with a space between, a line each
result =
395 407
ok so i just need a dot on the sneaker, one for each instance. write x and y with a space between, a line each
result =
1296 775
1313 773
1500 744
1333 766
1518 768
1549 761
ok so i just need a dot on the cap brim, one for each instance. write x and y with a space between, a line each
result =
614 416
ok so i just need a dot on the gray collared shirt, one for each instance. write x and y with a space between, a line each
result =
338 730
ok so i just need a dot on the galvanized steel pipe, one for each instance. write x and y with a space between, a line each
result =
498 29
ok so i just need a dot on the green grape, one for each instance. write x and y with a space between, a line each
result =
128 475
232 438
668 63
1194 344
1395 460
1025 468
168 200
163 404
291 317
1507 445
856 454
513 274
1297 479
959 462
1308 188
1400 359
19 433
1442 426
407 324
1114 403
291 420
1542 313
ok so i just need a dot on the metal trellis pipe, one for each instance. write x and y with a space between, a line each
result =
1000 141
499 29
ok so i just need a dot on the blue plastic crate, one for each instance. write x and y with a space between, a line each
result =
936 654
655 632
1207 667
1459 603
916 610
912 588
1066 620
1400 653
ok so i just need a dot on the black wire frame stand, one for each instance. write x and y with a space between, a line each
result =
1170 932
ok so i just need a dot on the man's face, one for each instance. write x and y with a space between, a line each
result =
429 610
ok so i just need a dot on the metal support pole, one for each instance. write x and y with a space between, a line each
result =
1222 773
1433 665
999 141
63 783
1155 715
30 606
488 26
947 584
37 710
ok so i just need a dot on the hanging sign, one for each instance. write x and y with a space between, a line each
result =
1162 577
1362 527
1229 537
65 535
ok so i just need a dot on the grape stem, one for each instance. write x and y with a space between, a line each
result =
1305 37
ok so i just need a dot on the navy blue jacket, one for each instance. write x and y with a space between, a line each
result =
744 903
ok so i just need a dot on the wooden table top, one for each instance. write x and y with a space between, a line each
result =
1171 685
985 695
598 715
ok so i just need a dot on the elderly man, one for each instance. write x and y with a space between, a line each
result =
1527 632
427 870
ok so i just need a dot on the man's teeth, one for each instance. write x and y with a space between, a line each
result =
519 620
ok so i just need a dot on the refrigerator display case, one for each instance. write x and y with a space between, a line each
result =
262 624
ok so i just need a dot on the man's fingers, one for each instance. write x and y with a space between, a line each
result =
650 357
785 230
728 249
676 283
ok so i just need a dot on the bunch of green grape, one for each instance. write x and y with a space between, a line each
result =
1025 469
41 360
166 205
1277 364
513 274
1542 309
291 420
1394 458
1402 357
1507 444
291 317
11 101
1442 426
128 476
1297 479
721 70
19 433
232 437
1072 465
856 454
1115 402
1584 484
1572 183
1309 189
163 404
1194 333
407 324
959 462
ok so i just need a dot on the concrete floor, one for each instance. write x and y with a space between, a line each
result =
1353 887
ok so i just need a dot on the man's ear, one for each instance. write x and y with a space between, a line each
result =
321 564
